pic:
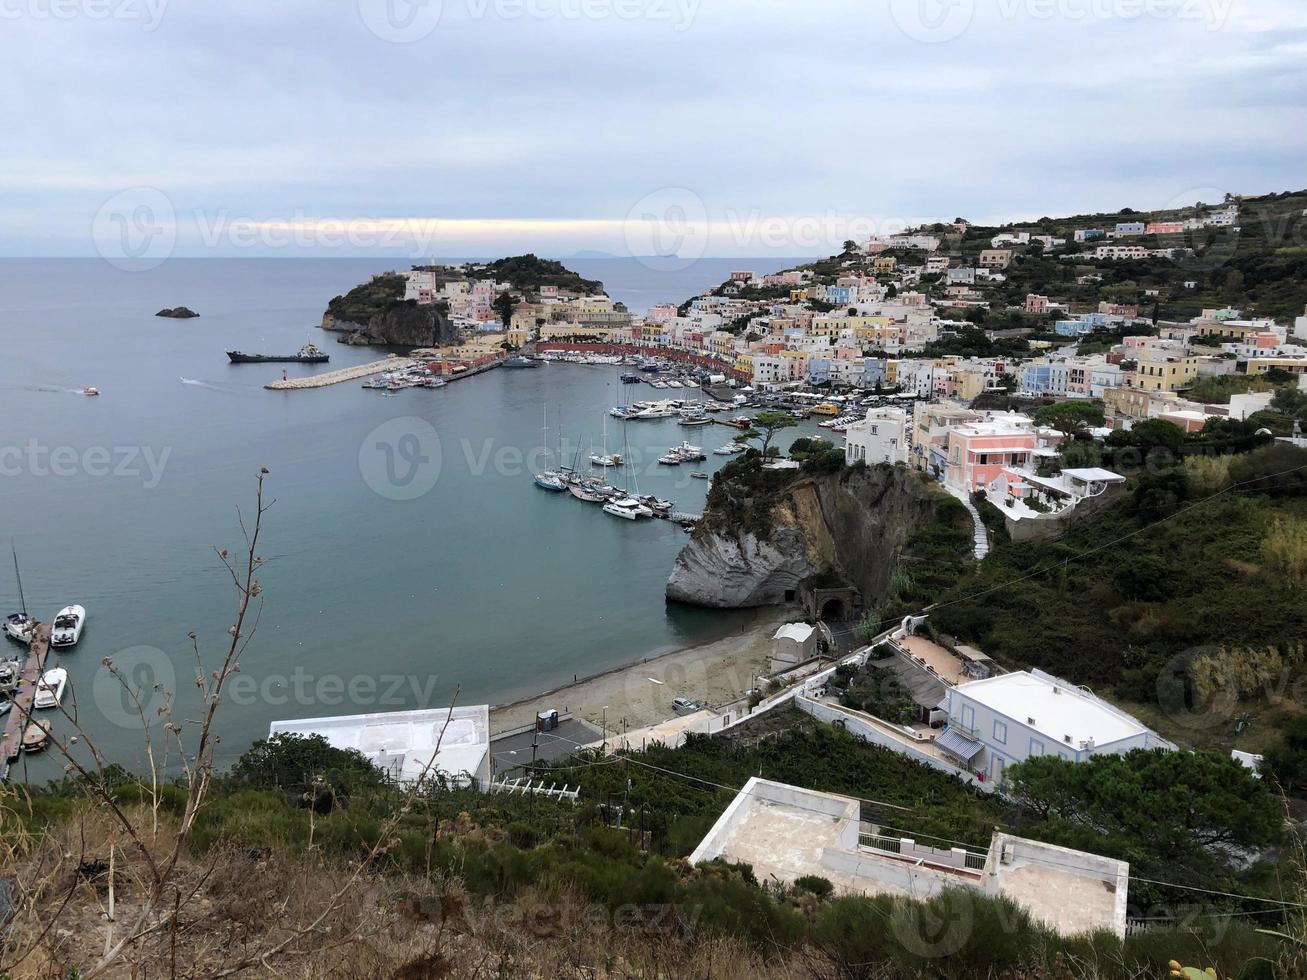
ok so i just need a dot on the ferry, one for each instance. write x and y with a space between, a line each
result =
826 408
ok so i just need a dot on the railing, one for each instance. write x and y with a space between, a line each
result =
964 730
976 862
892 844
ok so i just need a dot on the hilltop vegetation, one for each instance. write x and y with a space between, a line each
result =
527 273
376 297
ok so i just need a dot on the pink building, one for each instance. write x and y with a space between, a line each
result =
979 452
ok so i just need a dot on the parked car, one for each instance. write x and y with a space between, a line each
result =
684 706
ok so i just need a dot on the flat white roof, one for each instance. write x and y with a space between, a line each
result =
404 742
1095 474
1058 708
794 631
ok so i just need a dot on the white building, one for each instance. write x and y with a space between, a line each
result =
453 743
1000 721
786 833
882 437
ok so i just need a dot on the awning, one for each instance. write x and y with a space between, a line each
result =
957 744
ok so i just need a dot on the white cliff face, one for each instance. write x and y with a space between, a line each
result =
734 572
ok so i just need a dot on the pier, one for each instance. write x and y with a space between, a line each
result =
16 722
329 378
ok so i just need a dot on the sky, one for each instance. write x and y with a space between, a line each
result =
139 129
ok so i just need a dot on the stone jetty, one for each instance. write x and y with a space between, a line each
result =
327 378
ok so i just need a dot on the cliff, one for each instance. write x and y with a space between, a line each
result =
765 533
375 312
400 325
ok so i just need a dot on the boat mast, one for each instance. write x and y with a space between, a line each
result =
21 598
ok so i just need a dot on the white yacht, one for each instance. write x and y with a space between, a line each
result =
67 629
730 449
50 688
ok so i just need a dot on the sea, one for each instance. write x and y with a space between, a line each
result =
408 558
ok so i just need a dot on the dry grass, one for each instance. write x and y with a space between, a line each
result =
232 902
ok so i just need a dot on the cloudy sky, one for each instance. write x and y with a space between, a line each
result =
720 127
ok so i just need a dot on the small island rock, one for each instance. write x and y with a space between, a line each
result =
178 313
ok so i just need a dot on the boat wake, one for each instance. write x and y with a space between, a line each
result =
200 384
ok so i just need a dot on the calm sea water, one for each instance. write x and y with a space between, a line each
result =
483 583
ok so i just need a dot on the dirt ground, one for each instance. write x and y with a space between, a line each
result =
713 674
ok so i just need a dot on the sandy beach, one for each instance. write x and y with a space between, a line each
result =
640 694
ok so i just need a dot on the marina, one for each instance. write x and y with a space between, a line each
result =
23 702
391 363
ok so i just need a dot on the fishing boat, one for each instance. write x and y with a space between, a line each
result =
36 735
308 354
19 626
50 689
67 629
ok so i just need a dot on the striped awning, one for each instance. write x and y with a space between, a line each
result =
957 744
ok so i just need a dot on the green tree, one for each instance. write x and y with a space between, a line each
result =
504 305
1170 812
1070 417
766 425
296 762
1287 759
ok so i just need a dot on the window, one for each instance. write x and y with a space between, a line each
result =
1036 748
1000 733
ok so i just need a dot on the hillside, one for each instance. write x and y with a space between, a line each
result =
525 273
1136 600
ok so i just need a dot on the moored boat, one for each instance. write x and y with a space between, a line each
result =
67 629
36 735
50 689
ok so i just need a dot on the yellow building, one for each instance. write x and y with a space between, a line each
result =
744 362
518 336
885 264
1159 371
1294 365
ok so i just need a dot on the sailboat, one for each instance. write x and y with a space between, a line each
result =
19 626
551 480
606 458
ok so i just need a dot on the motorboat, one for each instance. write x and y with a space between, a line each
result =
622 412
50 689
671 458
698 475
655 506
730 449
36 735
691 454
67 629
659 410
610 459
551 481
627 509
673 383
91 392
631 379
